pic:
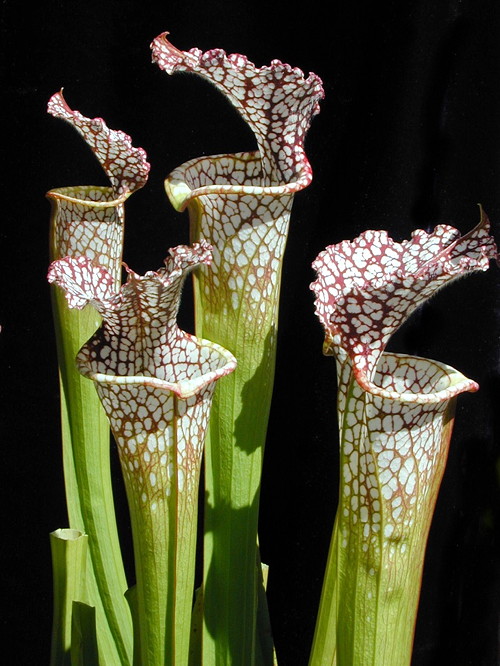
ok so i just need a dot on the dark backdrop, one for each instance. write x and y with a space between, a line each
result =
408 136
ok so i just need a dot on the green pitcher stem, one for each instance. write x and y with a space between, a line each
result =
234 452
378 601
232 489
89 495
164 535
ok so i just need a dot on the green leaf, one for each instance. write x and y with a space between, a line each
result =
89 493
84 651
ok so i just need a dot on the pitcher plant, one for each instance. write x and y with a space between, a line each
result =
155 383
395 415
241 204
89 221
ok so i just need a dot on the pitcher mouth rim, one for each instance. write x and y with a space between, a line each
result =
58 194
183 388
458 383
180 193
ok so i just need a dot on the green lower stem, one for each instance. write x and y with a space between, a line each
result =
69 553
369 606
324 647
234 452
89 495
266 653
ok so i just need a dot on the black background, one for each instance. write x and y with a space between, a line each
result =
408 136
